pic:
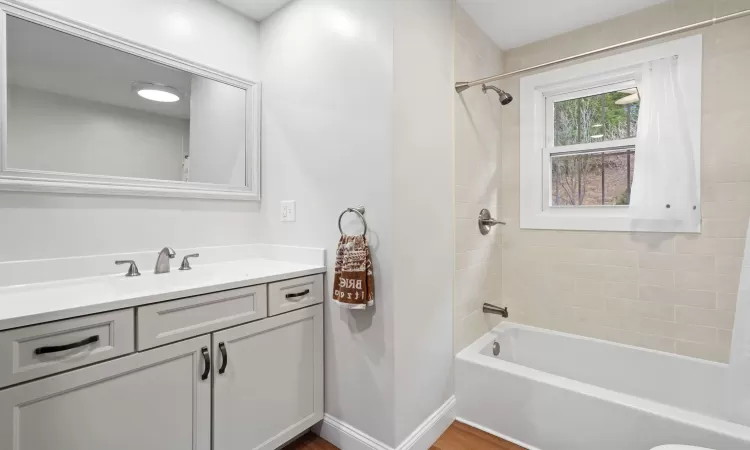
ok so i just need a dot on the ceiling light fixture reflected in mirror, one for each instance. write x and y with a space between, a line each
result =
156 92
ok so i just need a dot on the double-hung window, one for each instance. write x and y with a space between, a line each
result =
580 140
590 147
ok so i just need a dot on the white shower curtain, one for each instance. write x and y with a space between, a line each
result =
737 388
664 183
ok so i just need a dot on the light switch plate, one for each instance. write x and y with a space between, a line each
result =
288 211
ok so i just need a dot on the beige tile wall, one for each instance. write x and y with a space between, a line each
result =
477 173
670 292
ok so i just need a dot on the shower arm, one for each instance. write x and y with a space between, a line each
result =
464 85
498 90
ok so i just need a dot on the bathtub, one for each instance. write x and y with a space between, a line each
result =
547 390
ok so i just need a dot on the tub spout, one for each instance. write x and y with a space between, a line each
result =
492 309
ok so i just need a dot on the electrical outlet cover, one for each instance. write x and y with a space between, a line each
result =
288 211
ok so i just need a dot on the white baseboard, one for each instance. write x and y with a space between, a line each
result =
432 428
346 437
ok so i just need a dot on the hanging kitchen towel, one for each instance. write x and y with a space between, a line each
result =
353 283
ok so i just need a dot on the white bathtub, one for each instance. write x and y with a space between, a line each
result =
556 391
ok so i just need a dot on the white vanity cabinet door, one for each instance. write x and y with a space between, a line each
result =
272 386
154 400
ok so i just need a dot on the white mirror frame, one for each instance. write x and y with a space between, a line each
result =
58 182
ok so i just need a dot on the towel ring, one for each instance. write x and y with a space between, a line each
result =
360 211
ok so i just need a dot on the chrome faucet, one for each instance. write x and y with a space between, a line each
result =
492 309
162 262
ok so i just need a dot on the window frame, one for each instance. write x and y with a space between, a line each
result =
538 92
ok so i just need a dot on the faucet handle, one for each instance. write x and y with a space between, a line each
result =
185 263
132 270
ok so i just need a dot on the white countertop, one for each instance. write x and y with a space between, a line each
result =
43 302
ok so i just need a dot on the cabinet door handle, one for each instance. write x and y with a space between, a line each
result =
224 358
298 294
62 348
206 363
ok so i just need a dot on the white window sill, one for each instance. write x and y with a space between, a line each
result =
592 222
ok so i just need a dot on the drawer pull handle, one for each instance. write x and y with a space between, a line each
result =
224 358
206 363
298 294
62 348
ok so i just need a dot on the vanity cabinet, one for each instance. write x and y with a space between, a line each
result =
205 372
268 380
150 400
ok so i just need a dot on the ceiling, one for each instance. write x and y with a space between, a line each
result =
255 9
513 23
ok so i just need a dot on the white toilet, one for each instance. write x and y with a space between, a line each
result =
679 447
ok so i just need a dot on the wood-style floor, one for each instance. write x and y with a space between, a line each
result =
457 437
310 441
460 436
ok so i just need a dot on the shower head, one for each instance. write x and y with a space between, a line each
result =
505 98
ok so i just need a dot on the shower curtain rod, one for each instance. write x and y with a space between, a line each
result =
464 85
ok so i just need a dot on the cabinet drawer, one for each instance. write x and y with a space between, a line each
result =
175 320
40 350
294 294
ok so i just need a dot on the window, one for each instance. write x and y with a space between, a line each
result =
592 152
579 135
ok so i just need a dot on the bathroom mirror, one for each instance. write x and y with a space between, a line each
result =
91 114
